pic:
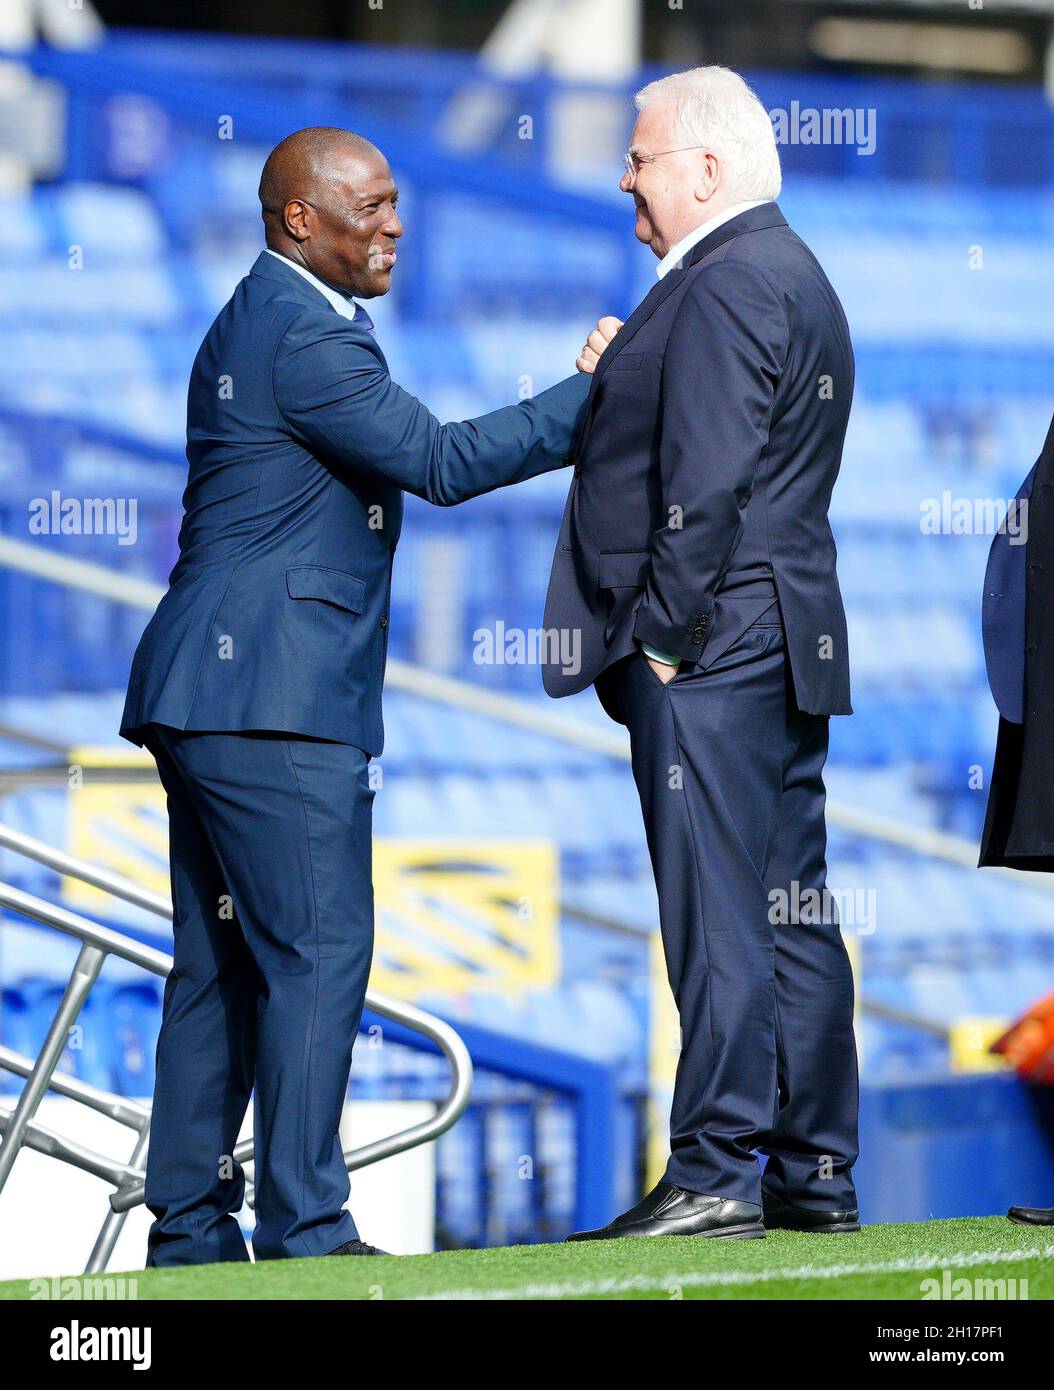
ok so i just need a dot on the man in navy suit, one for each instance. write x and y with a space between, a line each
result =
696 562
1018 632
1017 617
257 688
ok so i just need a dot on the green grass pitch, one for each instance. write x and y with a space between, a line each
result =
888 1262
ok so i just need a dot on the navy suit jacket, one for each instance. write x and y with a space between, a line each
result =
1018 621
1003 607
300 446
711 443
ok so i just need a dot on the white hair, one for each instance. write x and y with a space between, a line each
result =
718 111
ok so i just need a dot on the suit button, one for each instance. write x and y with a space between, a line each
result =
384 620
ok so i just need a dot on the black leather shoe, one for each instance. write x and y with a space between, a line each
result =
673 1211
1031 1216
356 1247
781 1217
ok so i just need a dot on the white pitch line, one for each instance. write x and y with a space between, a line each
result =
640 1283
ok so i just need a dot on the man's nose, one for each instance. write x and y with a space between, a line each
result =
393 227
626 182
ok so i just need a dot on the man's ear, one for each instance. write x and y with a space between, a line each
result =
296 218
709 180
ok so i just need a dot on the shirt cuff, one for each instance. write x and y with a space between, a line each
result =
662 657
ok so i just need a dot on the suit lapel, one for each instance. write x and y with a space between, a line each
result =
753 220
640 316
661 290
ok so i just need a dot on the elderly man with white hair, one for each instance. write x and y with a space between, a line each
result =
697 565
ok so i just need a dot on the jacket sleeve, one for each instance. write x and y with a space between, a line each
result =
335 393
723 359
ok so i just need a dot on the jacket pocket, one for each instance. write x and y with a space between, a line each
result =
327 586
623 569
626 362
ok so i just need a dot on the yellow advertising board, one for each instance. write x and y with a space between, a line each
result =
453 915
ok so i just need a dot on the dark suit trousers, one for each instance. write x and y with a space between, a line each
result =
730 780
270 845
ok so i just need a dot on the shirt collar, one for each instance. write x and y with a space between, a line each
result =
342 303
677 254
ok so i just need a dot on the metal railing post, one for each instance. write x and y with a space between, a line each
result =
18 1127
113 1225
85 973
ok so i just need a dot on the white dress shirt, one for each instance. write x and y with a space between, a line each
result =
677 254
672 261
342 303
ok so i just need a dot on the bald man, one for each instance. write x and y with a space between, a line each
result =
257 688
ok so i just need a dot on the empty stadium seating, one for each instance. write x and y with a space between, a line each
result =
107 285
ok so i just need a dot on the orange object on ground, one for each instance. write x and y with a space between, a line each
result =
1029 1044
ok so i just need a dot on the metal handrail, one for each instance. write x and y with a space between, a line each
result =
105 879
18 1124
55 1145
117 1108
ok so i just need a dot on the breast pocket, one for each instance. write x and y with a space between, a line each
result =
626 362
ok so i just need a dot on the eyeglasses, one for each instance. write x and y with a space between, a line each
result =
633 161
